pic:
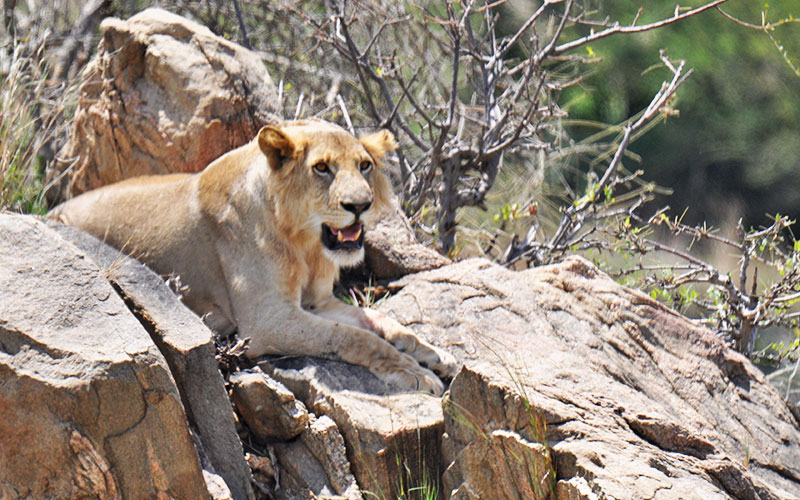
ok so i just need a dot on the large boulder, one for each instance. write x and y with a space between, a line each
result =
88 407
575 383
188 347
162 95
391 250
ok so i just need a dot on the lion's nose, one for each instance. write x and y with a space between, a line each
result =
357 208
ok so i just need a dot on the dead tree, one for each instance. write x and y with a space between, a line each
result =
462 95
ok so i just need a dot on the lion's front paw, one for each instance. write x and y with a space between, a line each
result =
428 355
411 377
426 381
444 363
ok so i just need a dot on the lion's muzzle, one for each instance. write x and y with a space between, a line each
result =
347 238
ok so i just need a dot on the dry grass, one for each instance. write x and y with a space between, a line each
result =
33 115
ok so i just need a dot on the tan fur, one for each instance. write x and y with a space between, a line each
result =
245 236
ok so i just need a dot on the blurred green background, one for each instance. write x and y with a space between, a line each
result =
734 151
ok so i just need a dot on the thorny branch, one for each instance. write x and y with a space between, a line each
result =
616 28
456 146
736 312
586 210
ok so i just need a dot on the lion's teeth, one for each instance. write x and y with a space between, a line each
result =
339 236
358 234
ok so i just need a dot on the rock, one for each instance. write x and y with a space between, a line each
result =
638 401
323 440
315 466
188 346
217 487
163 95
262 467
88 407
391 250
392 439
488 462
488 457
269 409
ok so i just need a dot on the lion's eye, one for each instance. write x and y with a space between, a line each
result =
321 168
365 166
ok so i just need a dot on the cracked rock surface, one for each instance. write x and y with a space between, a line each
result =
269 409
88 407
638 401
163 95
188 347
392 438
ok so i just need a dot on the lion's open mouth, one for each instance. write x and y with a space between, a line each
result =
346 238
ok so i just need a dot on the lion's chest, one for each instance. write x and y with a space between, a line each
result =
318 285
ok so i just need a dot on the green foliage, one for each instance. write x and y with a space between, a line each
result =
763 295
734 149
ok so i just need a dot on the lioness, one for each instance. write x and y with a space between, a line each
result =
258 238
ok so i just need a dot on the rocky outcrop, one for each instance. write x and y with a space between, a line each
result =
393 439
163 95
188 347
88 407
391 250
573 387
633 400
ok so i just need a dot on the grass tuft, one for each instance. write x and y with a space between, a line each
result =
33 112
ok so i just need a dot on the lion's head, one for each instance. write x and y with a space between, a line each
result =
329 186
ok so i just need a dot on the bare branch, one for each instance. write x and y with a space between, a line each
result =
656 104
242 27
617 28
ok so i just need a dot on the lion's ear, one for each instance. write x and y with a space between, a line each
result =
378 144
276 146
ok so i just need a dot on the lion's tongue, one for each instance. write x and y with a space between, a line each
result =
349 233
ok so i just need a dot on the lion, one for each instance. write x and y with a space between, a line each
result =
258 238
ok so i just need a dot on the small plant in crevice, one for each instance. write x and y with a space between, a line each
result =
413 469
368 295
